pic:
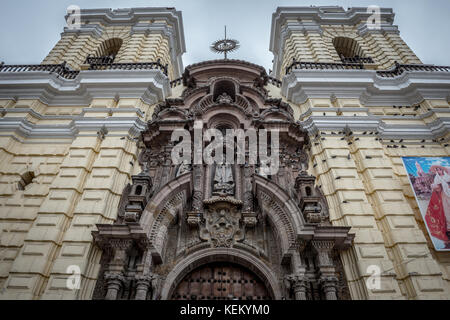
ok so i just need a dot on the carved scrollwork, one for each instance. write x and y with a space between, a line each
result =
222 226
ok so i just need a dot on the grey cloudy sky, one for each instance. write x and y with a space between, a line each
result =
29 29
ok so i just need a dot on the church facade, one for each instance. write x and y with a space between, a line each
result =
93 204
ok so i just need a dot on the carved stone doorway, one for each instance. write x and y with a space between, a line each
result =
221 281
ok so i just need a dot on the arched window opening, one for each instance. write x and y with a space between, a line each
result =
308 191
349 51
138 190
25 179
106 52
224 87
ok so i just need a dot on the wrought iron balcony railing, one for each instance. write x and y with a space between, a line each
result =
176 82
322 65
103 63
99 60
400 68
274 81
59 69
357 59
96 63
394 72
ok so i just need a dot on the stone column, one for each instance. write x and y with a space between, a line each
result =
328 278
248 187
144 277
299 282
300 286
329 285
167 164
197 172
143 283
114 277
114 282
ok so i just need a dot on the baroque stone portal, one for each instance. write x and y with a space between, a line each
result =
222 231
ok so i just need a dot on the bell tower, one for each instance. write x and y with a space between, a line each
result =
335 35
135 35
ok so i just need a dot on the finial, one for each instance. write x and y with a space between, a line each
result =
225 45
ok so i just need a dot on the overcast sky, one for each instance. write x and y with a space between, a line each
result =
29 29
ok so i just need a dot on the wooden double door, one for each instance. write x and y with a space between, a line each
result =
221 281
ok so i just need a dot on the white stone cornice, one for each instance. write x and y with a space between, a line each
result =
384 28
150 86
372 90
79 126
91 29
434 130
84 112
135 16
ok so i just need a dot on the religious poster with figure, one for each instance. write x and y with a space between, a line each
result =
430 180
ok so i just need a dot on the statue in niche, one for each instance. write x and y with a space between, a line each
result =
223 180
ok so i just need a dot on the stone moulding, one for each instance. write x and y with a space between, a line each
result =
410 88
221 254
78 126
432 130
259 224
150 86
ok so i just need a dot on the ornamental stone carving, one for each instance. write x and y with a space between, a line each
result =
272 225
223 180
222 224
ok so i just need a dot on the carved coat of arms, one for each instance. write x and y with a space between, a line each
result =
222 226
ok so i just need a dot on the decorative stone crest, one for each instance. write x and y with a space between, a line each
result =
171 211
222 222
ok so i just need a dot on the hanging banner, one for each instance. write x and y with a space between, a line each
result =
430 181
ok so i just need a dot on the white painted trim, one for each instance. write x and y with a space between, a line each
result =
150 86
372 90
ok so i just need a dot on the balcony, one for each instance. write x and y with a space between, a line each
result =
61 70
397 70
298 65
400 68
357 60
92 63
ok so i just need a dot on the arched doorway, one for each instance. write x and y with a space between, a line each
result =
221 281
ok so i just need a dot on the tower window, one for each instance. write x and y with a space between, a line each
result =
109 49
308 191
224 87
138 190
349 50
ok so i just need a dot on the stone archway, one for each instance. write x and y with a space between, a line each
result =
274 227
265 284
221 281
